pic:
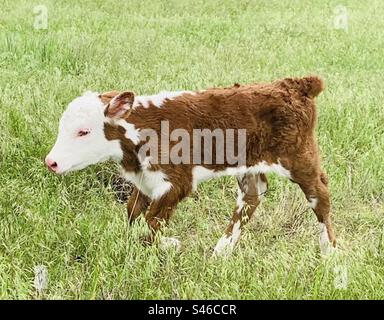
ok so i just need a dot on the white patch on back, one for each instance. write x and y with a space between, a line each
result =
200 173
153 184
158 99
225 245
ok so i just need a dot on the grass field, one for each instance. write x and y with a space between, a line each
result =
74 226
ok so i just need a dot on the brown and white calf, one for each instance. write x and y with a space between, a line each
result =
272 131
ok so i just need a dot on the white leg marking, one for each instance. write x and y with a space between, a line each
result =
225 245
325 245
312 203
169 243
240 200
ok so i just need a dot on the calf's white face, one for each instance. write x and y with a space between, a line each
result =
81 140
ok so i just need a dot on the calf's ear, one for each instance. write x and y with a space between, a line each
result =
120 104
106 97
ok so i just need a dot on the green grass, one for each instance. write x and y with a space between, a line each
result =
74 226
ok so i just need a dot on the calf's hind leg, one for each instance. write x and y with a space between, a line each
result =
251 188
314 184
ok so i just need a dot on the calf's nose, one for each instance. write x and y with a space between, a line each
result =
51 164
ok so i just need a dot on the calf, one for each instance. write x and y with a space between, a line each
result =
167 143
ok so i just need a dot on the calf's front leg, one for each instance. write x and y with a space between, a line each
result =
137 204
158 214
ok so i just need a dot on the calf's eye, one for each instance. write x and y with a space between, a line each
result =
83 132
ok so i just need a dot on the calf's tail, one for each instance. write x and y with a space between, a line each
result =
310 86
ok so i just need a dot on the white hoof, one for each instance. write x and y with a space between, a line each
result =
226 244
224 247
169 243
326 247
327 250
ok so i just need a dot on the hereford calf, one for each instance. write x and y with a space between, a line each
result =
161 144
